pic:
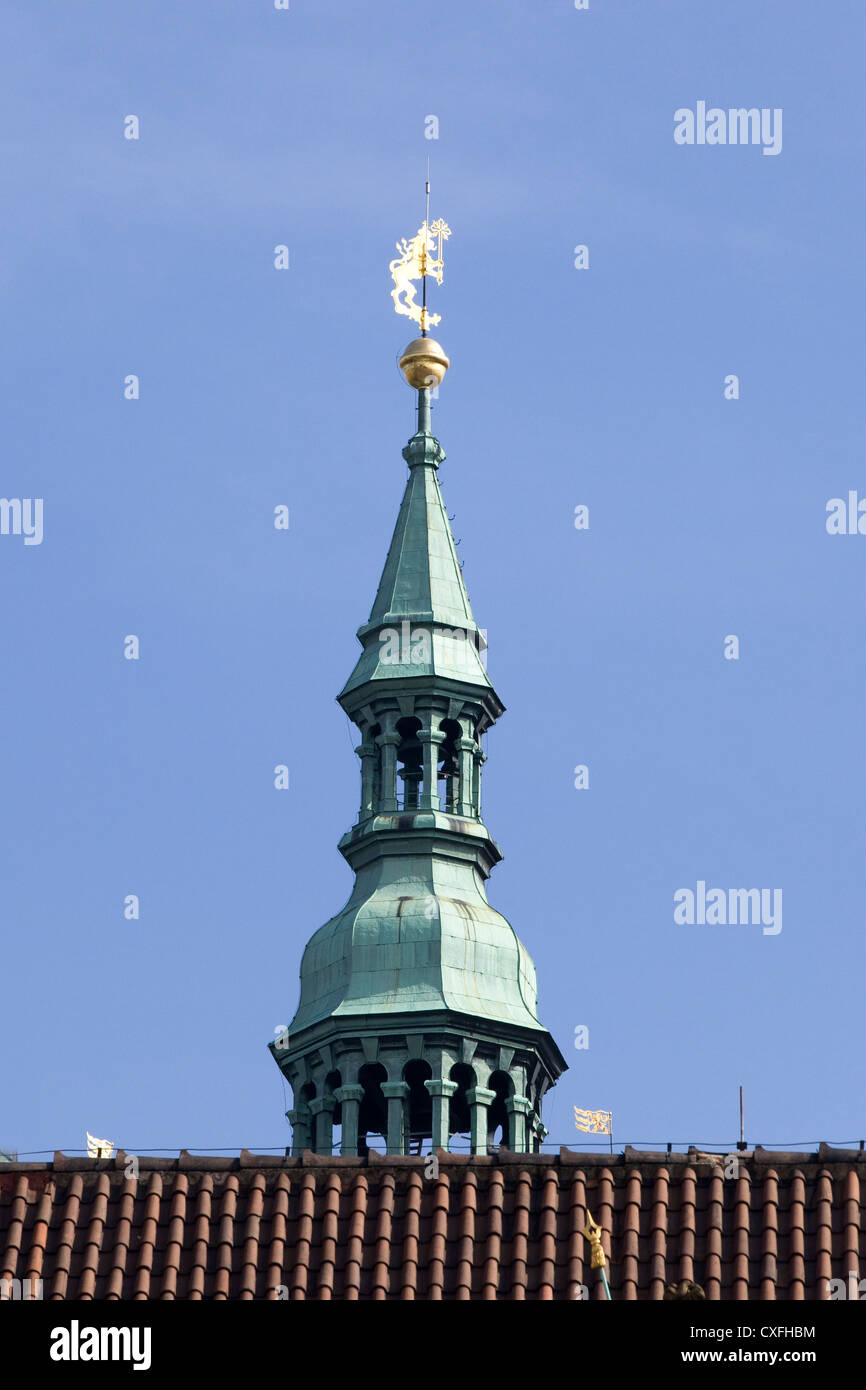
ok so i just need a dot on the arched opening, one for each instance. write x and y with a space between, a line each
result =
410 767
449 763
419 1104
373 1113
460 1120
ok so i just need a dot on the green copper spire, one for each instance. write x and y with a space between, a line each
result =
421 617
418 1017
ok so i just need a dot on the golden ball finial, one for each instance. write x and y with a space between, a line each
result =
424 363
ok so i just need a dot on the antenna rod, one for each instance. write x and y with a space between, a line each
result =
426 234
742 1143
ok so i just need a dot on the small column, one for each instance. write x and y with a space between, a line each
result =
441 1092
518 1107
389 742
322 1110
450 790
539 1133
368 753
350 1098
395 1092
479 759
450 769
302 1123
430 740
466 749
480 1101
411 777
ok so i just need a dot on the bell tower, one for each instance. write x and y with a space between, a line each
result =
417 1018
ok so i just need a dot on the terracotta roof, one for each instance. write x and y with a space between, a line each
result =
501 1227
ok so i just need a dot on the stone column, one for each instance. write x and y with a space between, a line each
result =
322 1109
441 1092
430 740
350 1098
518 1107
368 753
302 1123
389 742
539 1133
395 1092
480 1101
466 749
411 777
479 758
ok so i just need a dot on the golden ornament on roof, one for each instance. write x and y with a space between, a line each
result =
415 262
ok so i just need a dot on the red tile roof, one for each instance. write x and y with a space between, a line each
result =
502 1227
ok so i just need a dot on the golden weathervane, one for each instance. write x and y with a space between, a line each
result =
416 262
424 363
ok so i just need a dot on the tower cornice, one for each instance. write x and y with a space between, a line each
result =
418 834
377 694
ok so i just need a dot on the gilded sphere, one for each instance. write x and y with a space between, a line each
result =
424 363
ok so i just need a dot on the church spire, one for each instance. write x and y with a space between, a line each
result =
417 1018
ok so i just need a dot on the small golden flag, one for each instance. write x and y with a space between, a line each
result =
99 1148
593 1121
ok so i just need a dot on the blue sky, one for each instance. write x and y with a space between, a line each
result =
602 387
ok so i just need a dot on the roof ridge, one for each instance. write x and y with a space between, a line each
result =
628 1157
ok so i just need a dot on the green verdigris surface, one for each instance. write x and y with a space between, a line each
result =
418 970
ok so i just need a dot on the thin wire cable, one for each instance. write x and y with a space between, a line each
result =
204 1150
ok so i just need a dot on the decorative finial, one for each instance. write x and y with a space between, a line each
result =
424 363
592 1233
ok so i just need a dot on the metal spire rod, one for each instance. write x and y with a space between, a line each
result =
424 254
423 393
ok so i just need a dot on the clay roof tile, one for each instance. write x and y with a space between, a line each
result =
507 1227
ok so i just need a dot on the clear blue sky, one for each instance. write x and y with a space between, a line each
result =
602 387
